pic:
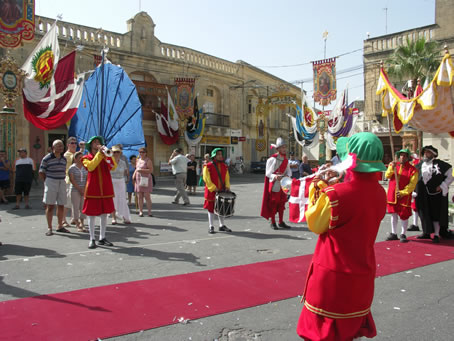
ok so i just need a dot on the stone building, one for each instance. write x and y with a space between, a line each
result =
380 48
229 92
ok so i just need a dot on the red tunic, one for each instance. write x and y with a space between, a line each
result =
271 199
99 193
340 282
401 206
211 196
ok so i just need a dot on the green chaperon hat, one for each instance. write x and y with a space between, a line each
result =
88 144
368 150
406 151
214 151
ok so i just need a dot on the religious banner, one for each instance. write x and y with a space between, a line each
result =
324 81
184 96
17 22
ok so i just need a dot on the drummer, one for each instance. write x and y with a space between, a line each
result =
217 178
274 199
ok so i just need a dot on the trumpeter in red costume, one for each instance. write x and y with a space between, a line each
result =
417 164
274 199
217 178
340 281
98 198
399 199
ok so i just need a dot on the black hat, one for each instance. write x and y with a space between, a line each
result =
431 149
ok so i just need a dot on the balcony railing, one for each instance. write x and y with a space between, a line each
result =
219 120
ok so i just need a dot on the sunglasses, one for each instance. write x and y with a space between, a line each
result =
142 152
72 142
116 152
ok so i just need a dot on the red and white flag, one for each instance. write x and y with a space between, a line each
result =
299 199
51 94
167 122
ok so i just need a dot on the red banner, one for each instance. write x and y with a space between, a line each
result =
324 81
17 22
184 98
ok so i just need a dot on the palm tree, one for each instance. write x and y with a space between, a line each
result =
416 60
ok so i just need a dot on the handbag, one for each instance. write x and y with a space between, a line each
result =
143 181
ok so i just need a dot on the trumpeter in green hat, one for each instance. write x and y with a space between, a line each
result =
368 150
99 138
214 152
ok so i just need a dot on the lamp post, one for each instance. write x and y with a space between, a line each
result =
10 88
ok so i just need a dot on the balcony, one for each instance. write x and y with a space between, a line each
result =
218 120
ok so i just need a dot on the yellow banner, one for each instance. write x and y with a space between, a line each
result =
215 140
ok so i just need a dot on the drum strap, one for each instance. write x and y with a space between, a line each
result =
220 177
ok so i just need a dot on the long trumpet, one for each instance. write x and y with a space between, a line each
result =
106 151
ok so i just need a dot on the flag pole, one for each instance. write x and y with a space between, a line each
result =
392 145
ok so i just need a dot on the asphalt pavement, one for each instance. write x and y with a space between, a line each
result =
416 305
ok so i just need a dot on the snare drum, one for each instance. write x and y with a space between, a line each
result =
224 204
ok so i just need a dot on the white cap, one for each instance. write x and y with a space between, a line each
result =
279 143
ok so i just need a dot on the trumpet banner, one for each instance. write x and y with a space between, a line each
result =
430 111
325 89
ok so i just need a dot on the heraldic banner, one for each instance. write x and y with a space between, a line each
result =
324 81
184 96
17 22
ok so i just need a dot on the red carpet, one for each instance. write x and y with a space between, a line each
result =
124 308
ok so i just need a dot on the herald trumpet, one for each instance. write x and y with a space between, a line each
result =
106 151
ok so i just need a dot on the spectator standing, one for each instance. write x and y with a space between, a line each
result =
53 173
78 178
294 166
69 156
305 167
191 176
206 160
179 168
5 168
143 180
130 185
82 147
24 167
119 185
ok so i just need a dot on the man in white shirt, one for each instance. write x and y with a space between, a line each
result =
179 168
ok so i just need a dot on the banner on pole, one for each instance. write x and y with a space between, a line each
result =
324 81
184 96
17 22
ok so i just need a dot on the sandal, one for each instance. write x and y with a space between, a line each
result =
62 230
49 232
140 214
114 222
82 229
150 215
65 224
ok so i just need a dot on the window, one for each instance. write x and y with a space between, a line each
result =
249 106
208 107
210 93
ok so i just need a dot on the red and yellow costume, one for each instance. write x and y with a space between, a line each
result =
99 189
408 178
213 183
340 282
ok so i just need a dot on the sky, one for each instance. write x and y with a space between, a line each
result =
261 32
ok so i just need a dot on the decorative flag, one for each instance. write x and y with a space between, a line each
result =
195 127
184 98
304 126
299 199
17 22
324 81
51 95
167 122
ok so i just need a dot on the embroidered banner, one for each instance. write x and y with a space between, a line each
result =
324 81
17 22
184 99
